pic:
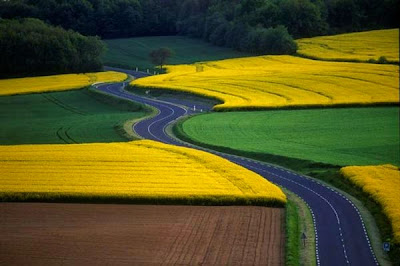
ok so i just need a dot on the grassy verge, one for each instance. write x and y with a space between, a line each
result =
78 116
330 175
293 234
299 221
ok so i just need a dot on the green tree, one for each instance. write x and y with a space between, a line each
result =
276 41
233 23
302 18
217 37
344 15
159 57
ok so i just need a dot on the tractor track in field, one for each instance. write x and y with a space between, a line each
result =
61 104
63 135
69 137
59 135
341 236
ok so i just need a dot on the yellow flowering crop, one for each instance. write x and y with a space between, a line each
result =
362 46
140 170
57 82
382 183
282 81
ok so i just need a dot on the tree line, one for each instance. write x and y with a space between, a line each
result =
31 47
266 26
104 18
129 18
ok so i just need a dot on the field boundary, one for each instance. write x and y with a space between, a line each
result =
299 220
198 200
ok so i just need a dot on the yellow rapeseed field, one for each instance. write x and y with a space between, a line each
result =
382 183
145 171
282 81
362 46
56 82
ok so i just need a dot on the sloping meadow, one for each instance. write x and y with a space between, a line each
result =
132 172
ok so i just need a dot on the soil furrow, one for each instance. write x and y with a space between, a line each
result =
87 234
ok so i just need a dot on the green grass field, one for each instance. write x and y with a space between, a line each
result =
134 52
342 136
63 117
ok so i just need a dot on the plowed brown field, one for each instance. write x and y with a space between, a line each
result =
42 234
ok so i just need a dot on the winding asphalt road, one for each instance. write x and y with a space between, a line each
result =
341 237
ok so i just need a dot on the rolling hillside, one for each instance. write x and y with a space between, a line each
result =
267 82
134 52
75 116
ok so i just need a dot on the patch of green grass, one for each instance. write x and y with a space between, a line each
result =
292 234
339 136
134 52
78 116
299 221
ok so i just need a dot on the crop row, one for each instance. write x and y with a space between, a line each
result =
380 46
141 170
281 82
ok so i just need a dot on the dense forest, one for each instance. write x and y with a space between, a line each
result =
104 18
31 47
256 26
201 18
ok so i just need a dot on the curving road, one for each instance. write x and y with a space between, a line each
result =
341 237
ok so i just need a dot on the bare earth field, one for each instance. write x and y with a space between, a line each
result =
42 234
